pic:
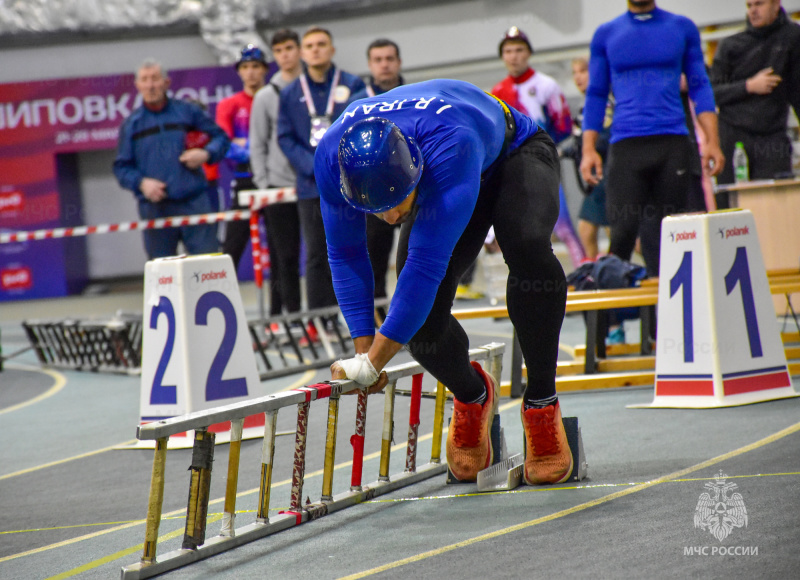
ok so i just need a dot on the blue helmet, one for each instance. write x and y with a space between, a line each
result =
251 52
379 166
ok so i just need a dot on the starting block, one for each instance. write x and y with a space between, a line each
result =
580 468
505 473
503 476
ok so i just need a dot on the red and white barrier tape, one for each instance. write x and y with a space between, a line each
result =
259 197
161 223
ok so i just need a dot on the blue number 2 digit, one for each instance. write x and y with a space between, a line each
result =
683 277
162 394
740 272
216 386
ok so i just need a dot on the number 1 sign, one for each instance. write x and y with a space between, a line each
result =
196 349
718 341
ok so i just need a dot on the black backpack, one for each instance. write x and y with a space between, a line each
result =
607 273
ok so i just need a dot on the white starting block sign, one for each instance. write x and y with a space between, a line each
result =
196 349
718 343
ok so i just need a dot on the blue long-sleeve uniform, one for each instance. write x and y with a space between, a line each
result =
460 131
294 123
150 143
641 57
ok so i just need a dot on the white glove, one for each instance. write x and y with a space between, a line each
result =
360 369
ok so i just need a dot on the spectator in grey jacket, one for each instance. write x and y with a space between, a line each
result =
271 169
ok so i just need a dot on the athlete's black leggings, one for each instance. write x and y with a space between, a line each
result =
521 200
647 179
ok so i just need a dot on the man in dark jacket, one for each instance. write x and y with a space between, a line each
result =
308 106
756 76
163 168
383 61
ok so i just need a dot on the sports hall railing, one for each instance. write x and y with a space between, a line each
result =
195 547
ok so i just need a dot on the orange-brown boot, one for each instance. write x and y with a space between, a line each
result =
548 458
469 441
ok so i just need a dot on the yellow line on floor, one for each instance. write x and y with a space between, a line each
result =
66 460
60 381
304 380
72 541
163 519
527 489
319 472
599 501
94 524
122 553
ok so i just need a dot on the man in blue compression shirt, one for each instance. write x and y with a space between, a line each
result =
640 56
448 161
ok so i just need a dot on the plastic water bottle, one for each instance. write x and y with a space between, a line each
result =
741 166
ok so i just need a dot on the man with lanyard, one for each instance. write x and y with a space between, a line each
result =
538 96
233 115
308 106
640 56
448 161
383 60
272 169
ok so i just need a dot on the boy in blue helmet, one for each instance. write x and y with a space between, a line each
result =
448 161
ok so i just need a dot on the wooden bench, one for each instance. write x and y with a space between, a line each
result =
596 304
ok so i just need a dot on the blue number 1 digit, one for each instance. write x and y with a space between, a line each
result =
683 277
740 272
162 394
216 386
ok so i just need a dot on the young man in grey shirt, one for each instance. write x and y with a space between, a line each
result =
271 169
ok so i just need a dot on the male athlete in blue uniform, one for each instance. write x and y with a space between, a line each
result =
448 161
640 56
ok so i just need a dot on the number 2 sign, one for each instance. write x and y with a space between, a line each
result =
718 341
196 351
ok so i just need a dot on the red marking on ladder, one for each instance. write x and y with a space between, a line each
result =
416 397
298 517
357 441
